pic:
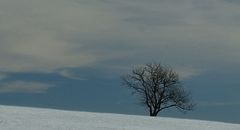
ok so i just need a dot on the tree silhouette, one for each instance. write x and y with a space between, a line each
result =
158 87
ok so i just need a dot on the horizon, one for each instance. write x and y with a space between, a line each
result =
70 54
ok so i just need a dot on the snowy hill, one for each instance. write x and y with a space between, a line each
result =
23 118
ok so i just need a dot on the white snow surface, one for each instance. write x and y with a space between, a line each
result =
24 118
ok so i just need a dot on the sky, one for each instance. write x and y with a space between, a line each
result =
70 54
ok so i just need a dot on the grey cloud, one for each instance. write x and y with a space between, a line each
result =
34 30
156 20
24 87
233 1
49 35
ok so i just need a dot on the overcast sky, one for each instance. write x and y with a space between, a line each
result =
69 54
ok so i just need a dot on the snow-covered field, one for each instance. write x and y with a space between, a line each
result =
23 118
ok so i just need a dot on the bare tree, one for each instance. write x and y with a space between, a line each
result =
158 87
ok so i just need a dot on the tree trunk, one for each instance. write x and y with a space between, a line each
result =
153 114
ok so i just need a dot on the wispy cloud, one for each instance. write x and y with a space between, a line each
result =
3 76
219 104
71 75
188 72
24 87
